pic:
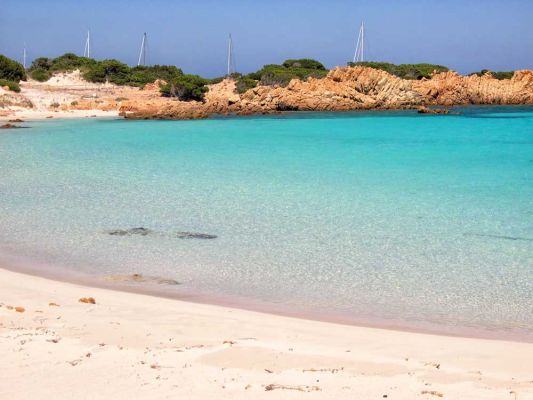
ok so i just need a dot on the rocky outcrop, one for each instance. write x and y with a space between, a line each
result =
344 89
450 88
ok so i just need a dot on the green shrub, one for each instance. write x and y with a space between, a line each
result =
244 83
40 75
74 103
216 80
54 105
281 75
13 86
503 74
121 99
404 71
497 75
70 62
304 63
186 87
141 75
11 70
43 63
108 70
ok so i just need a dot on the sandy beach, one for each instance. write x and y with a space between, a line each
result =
137 346
36 115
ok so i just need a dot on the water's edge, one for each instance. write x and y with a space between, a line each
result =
18 264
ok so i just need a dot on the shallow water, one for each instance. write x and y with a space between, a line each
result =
387 216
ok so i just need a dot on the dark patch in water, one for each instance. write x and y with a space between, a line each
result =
193 235
145 231
129 232
499 236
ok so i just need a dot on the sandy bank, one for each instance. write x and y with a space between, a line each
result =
137 346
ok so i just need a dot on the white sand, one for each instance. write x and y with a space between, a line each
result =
130 346
34 115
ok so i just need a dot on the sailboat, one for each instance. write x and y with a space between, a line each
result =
359 54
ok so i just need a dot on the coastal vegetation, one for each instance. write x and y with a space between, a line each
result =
186 87
497 75
92 70
280 74
404 71
11 73
12 85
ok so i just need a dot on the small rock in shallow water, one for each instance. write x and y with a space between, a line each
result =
142 279
128 232
145 231
193 235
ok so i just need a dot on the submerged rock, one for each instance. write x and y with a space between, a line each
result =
139 278
129 232
145 231
11 126
194 235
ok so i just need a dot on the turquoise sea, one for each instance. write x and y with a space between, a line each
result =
388 218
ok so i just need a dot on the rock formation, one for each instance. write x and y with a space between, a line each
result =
450 88
347 88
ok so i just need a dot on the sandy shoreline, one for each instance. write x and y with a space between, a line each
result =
39 115
150 347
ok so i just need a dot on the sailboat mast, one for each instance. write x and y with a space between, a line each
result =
359 54
87 49
362 41
24 57
230 49
142 53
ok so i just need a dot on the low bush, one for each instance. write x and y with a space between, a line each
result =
306 63
10 70
40 75
245 83
497 75
186 87
404 71
216 80
281 75
13 86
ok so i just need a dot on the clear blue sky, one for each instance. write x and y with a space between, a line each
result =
465 35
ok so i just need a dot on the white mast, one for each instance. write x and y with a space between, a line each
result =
24 57
142 53
359 54
87 50
231 61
